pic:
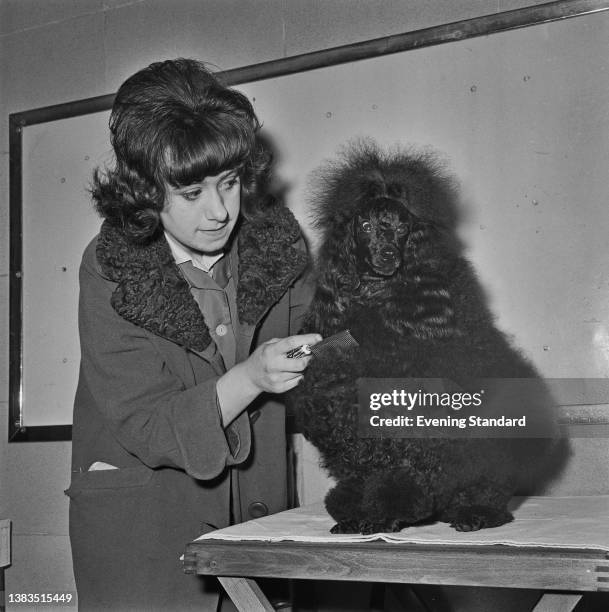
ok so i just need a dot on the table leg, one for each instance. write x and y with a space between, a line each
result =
557 602
2 599
246 594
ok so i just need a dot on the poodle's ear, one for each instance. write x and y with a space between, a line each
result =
344 251
417 244
338 256
337 277
429 245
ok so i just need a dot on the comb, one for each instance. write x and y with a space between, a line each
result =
342 340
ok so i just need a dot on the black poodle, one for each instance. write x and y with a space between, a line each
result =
389 269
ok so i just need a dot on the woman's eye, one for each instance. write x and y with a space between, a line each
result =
191 196
231 183
366 226
402 229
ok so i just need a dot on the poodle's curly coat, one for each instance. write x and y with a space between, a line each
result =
419 313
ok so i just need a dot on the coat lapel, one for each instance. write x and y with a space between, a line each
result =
152 294
269 261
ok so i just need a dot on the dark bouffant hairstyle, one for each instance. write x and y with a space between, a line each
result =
174 123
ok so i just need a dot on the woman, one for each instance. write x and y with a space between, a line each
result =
194 276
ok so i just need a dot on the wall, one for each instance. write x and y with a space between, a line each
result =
55 51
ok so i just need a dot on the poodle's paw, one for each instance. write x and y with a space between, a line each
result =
346 526
473 518
367 527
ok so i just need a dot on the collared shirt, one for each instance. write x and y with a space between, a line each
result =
214 289
199 260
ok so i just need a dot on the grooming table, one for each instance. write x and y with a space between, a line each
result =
556 544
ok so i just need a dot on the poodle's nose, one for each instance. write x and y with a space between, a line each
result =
388 253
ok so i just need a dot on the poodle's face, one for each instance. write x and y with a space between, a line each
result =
381 231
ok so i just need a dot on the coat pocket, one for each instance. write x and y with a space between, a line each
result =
121 478
112 511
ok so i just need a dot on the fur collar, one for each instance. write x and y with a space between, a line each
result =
152 293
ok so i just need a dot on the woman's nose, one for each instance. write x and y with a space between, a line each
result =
215 209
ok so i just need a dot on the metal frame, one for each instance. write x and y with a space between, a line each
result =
452 32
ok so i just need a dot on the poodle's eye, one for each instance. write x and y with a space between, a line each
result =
366 226
401 230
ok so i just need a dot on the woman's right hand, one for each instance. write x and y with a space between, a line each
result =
268 369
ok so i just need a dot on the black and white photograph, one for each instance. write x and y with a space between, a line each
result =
305 305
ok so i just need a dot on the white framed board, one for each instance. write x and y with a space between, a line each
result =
519 112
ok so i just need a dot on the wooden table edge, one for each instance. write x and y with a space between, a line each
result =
496 565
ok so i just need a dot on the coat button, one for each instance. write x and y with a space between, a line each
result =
257 509
221 330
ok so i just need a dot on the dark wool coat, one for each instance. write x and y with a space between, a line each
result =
146 403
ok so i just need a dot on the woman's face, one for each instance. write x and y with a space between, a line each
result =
202 216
